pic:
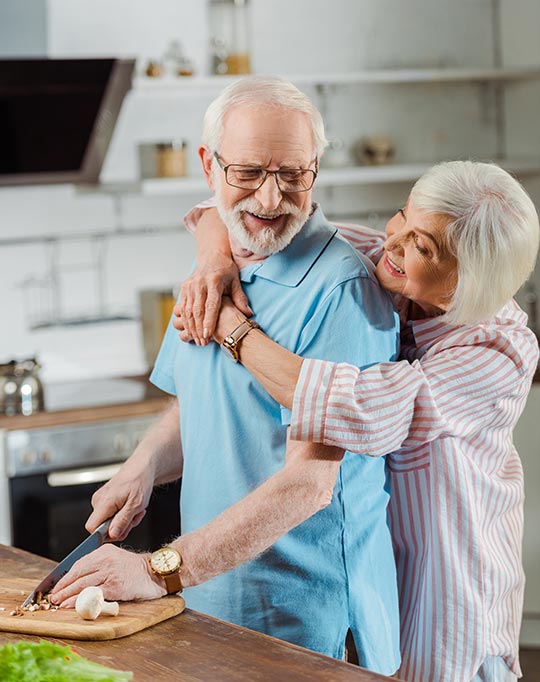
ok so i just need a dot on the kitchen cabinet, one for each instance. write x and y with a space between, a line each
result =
194 647
527 442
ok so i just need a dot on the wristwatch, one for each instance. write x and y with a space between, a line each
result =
230 343
167 562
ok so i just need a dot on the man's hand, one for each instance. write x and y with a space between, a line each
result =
200 298
122 575
125 497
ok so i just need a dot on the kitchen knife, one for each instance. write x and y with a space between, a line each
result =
91 543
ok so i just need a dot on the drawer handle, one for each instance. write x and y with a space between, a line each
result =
61 479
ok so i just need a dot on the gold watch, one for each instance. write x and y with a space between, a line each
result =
230 343
167 562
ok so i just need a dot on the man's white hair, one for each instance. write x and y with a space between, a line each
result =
261 91
493 232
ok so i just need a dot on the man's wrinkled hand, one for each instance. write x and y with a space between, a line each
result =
122 575
197 311
124 499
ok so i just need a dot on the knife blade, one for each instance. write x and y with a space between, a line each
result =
92 542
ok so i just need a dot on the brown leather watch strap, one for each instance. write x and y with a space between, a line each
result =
173 582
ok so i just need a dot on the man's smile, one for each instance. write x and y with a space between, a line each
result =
258 219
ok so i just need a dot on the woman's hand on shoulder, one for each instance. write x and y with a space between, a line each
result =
229 318
197 311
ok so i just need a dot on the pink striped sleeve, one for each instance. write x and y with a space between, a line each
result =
366 240
391 405
310 400
193 216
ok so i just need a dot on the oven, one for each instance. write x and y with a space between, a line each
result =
48 478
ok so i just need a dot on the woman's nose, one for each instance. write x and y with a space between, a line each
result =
394 225
395 241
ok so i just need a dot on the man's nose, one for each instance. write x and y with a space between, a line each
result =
269 194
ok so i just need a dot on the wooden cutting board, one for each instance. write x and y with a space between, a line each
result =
66 623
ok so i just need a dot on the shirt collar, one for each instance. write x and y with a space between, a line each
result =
290 266
422 333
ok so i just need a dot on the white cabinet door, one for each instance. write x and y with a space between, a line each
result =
527 441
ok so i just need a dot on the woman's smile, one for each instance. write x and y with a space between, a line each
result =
392 267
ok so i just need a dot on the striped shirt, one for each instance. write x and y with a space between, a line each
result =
446 411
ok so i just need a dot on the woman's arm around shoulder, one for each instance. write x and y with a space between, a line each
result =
363 239
216 274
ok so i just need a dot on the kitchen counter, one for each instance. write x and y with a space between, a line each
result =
90 401
193 647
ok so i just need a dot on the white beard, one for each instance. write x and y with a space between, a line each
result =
266 241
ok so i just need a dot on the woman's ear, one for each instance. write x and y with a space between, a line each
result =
207 157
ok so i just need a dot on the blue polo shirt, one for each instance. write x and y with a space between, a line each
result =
336 570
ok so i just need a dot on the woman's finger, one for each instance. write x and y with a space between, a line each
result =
199 303
187 308
178 322
213 305
239 298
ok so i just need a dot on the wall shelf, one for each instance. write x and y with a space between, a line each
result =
328 177
169 85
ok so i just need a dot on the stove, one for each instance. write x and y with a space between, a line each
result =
50 465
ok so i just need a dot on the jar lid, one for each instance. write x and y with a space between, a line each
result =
25 366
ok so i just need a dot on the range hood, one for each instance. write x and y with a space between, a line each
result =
57 117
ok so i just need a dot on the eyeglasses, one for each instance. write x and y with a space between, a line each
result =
251 177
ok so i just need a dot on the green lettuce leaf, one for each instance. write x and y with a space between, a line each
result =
47 662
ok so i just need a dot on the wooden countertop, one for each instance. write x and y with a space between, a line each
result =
84 415
144 399
193 647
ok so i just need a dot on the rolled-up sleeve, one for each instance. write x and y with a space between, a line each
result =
377 410
373 411
193 216
311 397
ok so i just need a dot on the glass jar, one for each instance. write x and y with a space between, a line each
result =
230 32
171 159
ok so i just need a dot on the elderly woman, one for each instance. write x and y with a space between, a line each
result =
454 257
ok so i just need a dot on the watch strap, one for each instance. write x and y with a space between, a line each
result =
173 582
231 341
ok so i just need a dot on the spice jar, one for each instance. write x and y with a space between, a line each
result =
230 31
171 159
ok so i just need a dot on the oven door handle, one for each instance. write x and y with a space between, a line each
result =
62 479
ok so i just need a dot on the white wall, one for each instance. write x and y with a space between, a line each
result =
127 28
20 36
428 122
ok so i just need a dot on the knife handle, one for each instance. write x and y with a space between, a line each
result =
103 530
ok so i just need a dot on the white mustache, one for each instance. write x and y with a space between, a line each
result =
251 205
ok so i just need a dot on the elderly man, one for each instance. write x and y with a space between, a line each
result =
308 521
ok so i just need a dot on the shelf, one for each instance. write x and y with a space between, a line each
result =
183 84
328 177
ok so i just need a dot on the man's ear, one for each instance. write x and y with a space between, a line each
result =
206 157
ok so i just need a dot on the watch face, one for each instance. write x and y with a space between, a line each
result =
166 560
228 352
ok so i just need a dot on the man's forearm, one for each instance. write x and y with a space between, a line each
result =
161 450
250 526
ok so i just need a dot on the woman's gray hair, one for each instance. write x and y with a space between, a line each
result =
493 232
259 91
